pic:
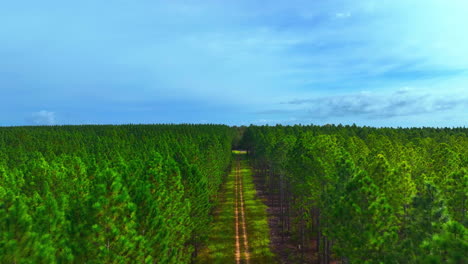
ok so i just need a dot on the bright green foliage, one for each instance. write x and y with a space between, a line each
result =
456 193
113 235
368 195
17 239
449 246
200 205
371 224
174 221
51 227
109 194
426 215
396 183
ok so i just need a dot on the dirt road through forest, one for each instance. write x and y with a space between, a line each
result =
241 230
239 233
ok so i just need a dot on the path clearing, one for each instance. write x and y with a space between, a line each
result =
240 208
240 231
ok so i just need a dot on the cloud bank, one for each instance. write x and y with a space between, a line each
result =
374 105
43 117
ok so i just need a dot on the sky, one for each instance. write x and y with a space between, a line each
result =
374 63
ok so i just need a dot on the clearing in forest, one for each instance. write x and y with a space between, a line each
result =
240 232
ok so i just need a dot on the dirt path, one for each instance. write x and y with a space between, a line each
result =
239 233
240 224
236 217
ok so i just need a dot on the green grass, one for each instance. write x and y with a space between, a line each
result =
257 220
220 246
239 152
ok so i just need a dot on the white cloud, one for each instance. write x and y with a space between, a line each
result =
403 102
343 15
43 117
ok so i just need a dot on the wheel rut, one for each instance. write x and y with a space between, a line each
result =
242 241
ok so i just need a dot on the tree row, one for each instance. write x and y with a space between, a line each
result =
367 195
109 194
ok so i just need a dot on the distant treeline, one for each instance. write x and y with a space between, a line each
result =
109 194
367 195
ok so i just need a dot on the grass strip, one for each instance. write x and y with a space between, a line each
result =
220 247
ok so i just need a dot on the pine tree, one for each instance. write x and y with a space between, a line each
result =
428 214
17 239
448 246
455 188
114 224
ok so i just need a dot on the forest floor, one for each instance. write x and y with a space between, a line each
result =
240 231
282 244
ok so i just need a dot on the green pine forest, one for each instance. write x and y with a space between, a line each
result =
149 193
367 195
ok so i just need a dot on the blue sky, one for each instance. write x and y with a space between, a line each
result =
376 63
